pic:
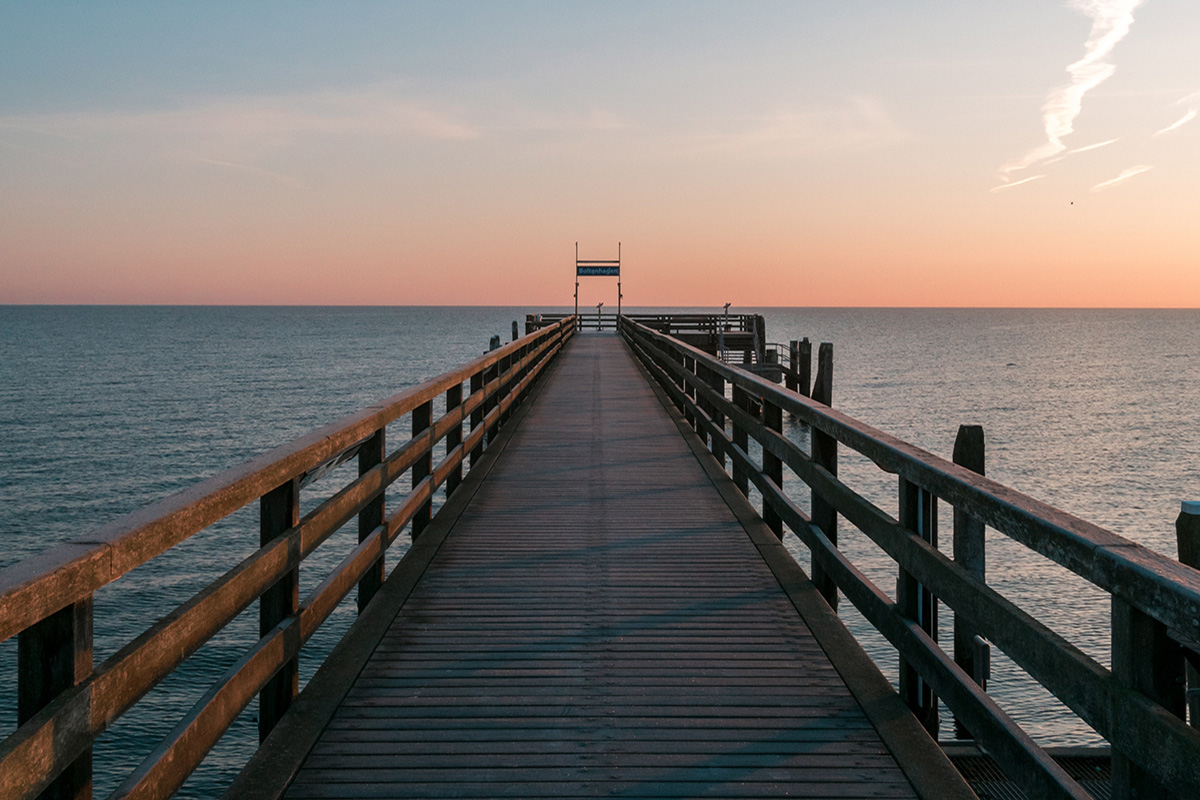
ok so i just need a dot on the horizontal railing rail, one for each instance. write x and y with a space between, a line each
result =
46 601
665 323
1137 705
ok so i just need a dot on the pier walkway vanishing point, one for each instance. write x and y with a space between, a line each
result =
597 622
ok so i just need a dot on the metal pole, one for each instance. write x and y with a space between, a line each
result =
618 280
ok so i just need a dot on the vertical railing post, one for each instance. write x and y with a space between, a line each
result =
772 465
454 437
1146 659
918 513
1187 538
477 416
490 375
53 655
689 366
717 383
523 357
701 372
970 554
741 440
371 517
422 418
824 455
681 403
504 372
279 511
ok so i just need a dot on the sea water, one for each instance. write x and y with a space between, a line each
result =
105 409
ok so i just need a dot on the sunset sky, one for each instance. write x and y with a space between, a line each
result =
849 153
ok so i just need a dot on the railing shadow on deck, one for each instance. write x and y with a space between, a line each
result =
64 702
1139 706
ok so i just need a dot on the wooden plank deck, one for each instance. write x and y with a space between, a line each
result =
598 623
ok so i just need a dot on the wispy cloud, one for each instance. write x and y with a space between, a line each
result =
1095 146
858 122
1187 117
1111 21
380 111
1124 176
1083 149
1003 186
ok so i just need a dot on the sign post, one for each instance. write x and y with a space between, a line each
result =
592 267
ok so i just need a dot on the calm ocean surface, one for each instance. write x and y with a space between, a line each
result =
104 409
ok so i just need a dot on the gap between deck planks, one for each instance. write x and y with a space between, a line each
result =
598 623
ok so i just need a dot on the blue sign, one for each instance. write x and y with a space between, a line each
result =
598 271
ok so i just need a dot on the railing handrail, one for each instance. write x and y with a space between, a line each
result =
1157 584
682 323
62 711
1137 705
44 583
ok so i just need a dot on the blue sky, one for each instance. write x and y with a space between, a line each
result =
160 152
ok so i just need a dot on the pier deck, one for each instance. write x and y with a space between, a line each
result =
600 621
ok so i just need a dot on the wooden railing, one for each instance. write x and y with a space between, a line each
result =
46 601
1138 705
674 324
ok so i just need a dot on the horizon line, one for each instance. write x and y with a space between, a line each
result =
629 307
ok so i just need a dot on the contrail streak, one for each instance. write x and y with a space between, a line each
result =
1095 146
1015 183
1124 176
1179 123
1083 149
1111 20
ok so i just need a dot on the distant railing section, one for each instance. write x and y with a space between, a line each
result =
1139 705
64 702
734 338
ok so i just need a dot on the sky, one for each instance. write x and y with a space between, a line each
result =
1029 153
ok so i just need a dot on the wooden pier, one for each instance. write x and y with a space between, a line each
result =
597 622
597 609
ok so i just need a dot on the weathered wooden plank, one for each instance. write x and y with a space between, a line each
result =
614 740
365 745
612 786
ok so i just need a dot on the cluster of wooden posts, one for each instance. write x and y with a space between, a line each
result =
65 701
1140 705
